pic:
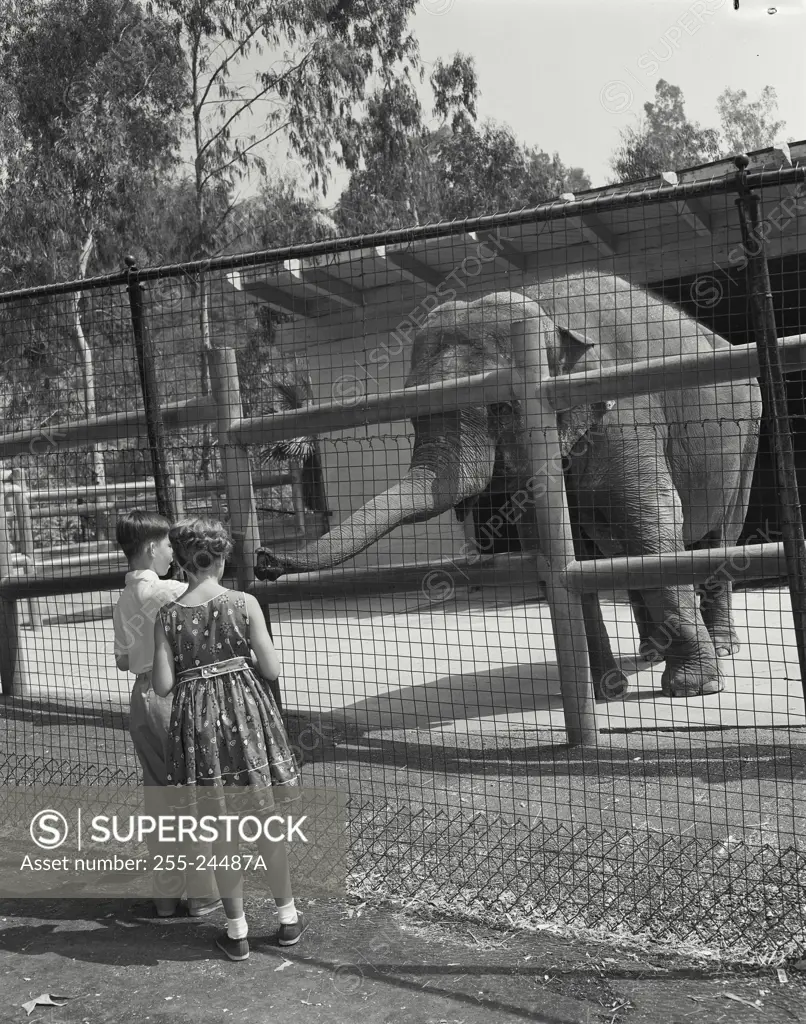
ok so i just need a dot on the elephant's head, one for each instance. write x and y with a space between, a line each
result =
454 452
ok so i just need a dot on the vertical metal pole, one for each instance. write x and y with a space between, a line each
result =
554 525
148 381
772 382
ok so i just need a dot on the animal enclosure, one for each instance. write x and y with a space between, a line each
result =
524 523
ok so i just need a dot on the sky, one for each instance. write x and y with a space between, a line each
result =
567 75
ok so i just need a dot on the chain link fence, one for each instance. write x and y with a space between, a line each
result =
538 590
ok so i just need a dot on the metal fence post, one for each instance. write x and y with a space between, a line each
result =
554 525
235 464
148 380
772 383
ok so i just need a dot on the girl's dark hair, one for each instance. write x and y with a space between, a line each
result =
197 543
136 528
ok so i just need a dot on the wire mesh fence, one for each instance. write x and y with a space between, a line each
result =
522 500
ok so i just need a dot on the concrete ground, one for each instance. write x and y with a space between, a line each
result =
420 693
362 964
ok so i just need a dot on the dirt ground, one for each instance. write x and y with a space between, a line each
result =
359 963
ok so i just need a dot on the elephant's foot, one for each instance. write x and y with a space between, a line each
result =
683 681
726 643
611 685
652 650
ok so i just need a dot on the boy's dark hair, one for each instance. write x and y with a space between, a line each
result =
136 528
198 542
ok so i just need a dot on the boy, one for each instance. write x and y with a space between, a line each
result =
143 536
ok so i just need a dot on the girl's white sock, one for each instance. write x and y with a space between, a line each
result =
287 913
237 927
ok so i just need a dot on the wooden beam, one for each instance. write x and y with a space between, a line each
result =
414 269
407 403
493 572
235 465
502 247
740 362
782 155
540 444
275 297
690 211
90 491
593 230
317 279
114 427
677 568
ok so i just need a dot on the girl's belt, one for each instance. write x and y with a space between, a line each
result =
218 668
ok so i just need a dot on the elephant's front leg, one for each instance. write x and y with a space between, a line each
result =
652 514
609 682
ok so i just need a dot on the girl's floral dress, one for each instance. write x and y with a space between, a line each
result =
226 732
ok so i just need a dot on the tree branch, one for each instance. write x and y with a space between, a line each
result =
248 103
222 66
242 152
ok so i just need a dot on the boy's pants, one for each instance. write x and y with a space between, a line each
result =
149 724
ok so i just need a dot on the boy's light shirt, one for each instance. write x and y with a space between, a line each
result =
135 612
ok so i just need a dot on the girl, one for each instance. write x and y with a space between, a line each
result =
226 734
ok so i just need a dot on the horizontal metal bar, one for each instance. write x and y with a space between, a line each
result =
654 375
407 403
114 427
638 194
676 568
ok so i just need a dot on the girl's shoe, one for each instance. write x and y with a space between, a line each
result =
290 934
235 949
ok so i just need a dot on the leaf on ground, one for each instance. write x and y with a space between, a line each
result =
800 965
284 964
741 999
46 999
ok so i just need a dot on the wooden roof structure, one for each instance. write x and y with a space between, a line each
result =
370 290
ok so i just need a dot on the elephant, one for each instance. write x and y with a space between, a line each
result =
645 474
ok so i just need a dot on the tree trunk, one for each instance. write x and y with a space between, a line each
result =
98 470
205 465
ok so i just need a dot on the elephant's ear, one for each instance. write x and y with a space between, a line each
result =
571 347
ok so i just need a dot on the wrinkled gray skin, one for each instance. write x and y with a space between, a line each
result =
656 473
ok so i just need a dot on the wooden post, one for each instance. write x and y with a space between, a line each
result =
547 487
235 465
12 682
298 501
25 529
178 487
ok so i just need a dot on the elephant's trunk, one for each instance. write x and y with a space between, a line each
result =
417 497
439 478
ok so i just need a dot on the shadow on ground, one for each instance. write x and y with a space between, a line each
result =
366 964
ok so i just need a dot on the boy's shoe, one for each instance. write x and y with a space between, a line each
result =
203 907
166 909
235 949
290 934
